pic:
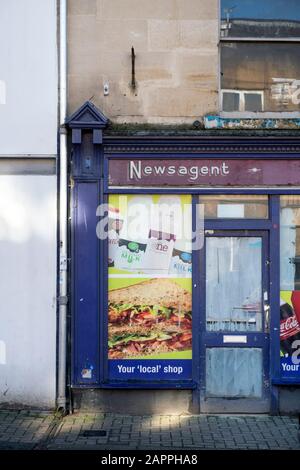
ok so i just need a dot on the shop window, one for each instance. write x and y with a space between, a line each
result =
235 207
259 72
289 275
150 283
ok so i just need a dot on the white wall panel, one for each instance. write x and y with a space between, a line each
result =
28 289
28 77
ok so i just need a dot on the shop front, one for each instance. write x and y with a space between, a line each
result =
184 269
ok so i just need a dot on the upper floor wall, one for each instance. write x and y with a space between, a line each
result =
28 77
176 58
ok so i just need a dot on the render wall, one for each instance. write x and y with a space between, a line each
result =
28 199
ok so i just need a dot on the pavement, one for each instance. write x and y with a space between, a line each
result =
39 430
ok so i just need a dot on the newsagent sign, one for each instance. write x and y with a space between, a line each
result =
203 172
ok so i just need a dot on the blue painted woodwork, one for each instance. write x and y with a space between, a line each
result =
89 153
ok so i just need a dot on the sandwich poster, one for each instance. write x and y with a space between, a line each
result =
150 291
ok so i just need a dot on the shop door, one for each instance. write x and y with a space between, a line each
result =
235 325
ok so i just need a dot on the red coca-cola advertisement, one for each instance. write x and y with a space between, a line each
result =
295 297
290 332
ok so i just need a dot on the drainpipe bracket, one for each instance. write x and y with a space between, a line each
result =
63 263
63 300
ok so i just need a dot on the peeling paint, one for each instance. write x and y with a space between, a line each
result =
217 122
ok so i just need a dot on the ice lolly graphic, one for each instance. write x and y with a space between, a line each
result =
181 261
158 252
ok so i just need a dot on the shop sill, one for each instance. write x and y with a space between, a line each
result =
140 386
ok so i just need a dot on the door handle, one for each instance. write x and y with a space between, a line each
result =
267 317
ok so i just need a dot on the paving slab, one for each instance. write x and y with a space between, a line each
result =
41 430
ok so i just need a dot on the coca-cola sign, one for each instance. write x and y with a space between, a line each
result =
203 172
289 327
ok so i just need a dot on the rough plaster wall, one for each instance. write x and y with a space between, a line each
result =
28 290
176 50
28 77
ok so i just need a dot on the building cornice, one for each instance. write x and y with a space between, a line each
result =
158 145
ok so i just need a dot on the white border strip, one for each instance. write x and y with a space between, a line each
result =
147 276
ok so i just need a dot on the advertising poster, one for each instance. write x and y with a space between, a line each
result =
290 333
150 288
290 288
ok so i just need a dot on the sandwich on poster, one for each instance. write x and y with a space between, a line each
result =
151 317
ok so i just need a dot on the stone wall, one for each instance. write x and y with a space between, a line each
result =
175 43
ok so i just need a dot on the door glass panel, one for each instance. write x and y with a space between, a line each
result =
239 372
234 283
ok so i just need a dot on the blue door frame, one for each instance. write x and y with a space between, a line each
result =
270 226
258 339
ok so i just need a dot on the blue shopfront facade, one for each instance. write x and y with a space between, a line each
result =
243 194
